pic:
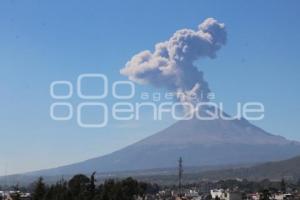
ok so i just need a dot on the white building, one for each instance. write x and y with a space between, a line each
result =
217 193
283 196
225 195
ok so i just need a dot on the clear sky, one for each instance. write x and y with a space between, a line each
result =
44 41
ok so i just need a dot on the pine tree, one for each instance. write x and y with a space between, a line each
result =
39 190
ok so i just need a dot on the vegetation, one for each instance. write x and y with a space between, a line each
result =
81 187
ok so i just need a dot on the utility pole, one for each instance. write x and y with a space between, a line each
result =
180 171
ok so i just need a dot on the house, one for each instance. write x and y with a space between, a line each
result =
225 194
253 196
217 193
281 196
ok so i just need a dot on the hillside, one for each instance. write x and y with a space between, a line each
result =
199 142
288 169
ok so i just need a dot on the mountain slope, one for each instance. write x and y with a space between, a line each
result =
199 142
288 169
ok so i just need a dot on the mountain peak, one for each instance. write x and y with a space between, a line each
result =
217 131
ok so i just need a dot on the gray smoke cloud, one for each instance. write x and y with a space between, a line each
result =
171 64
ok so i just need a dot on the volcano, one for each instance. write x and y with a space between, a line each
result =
198 142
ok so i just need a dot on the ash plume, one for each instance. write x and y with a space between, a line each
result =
171 64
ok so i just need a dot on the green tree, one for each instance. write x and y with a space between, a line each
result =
217 198
39 190
92 187
107 190
130 188
265 195
78 186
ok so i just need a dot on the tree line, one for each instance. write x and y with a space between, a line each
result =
81 187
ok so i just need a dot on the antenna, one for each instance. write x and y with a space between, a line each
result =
180 171
5 174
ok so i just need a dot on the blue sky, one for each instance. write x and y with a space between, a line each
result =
58 40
